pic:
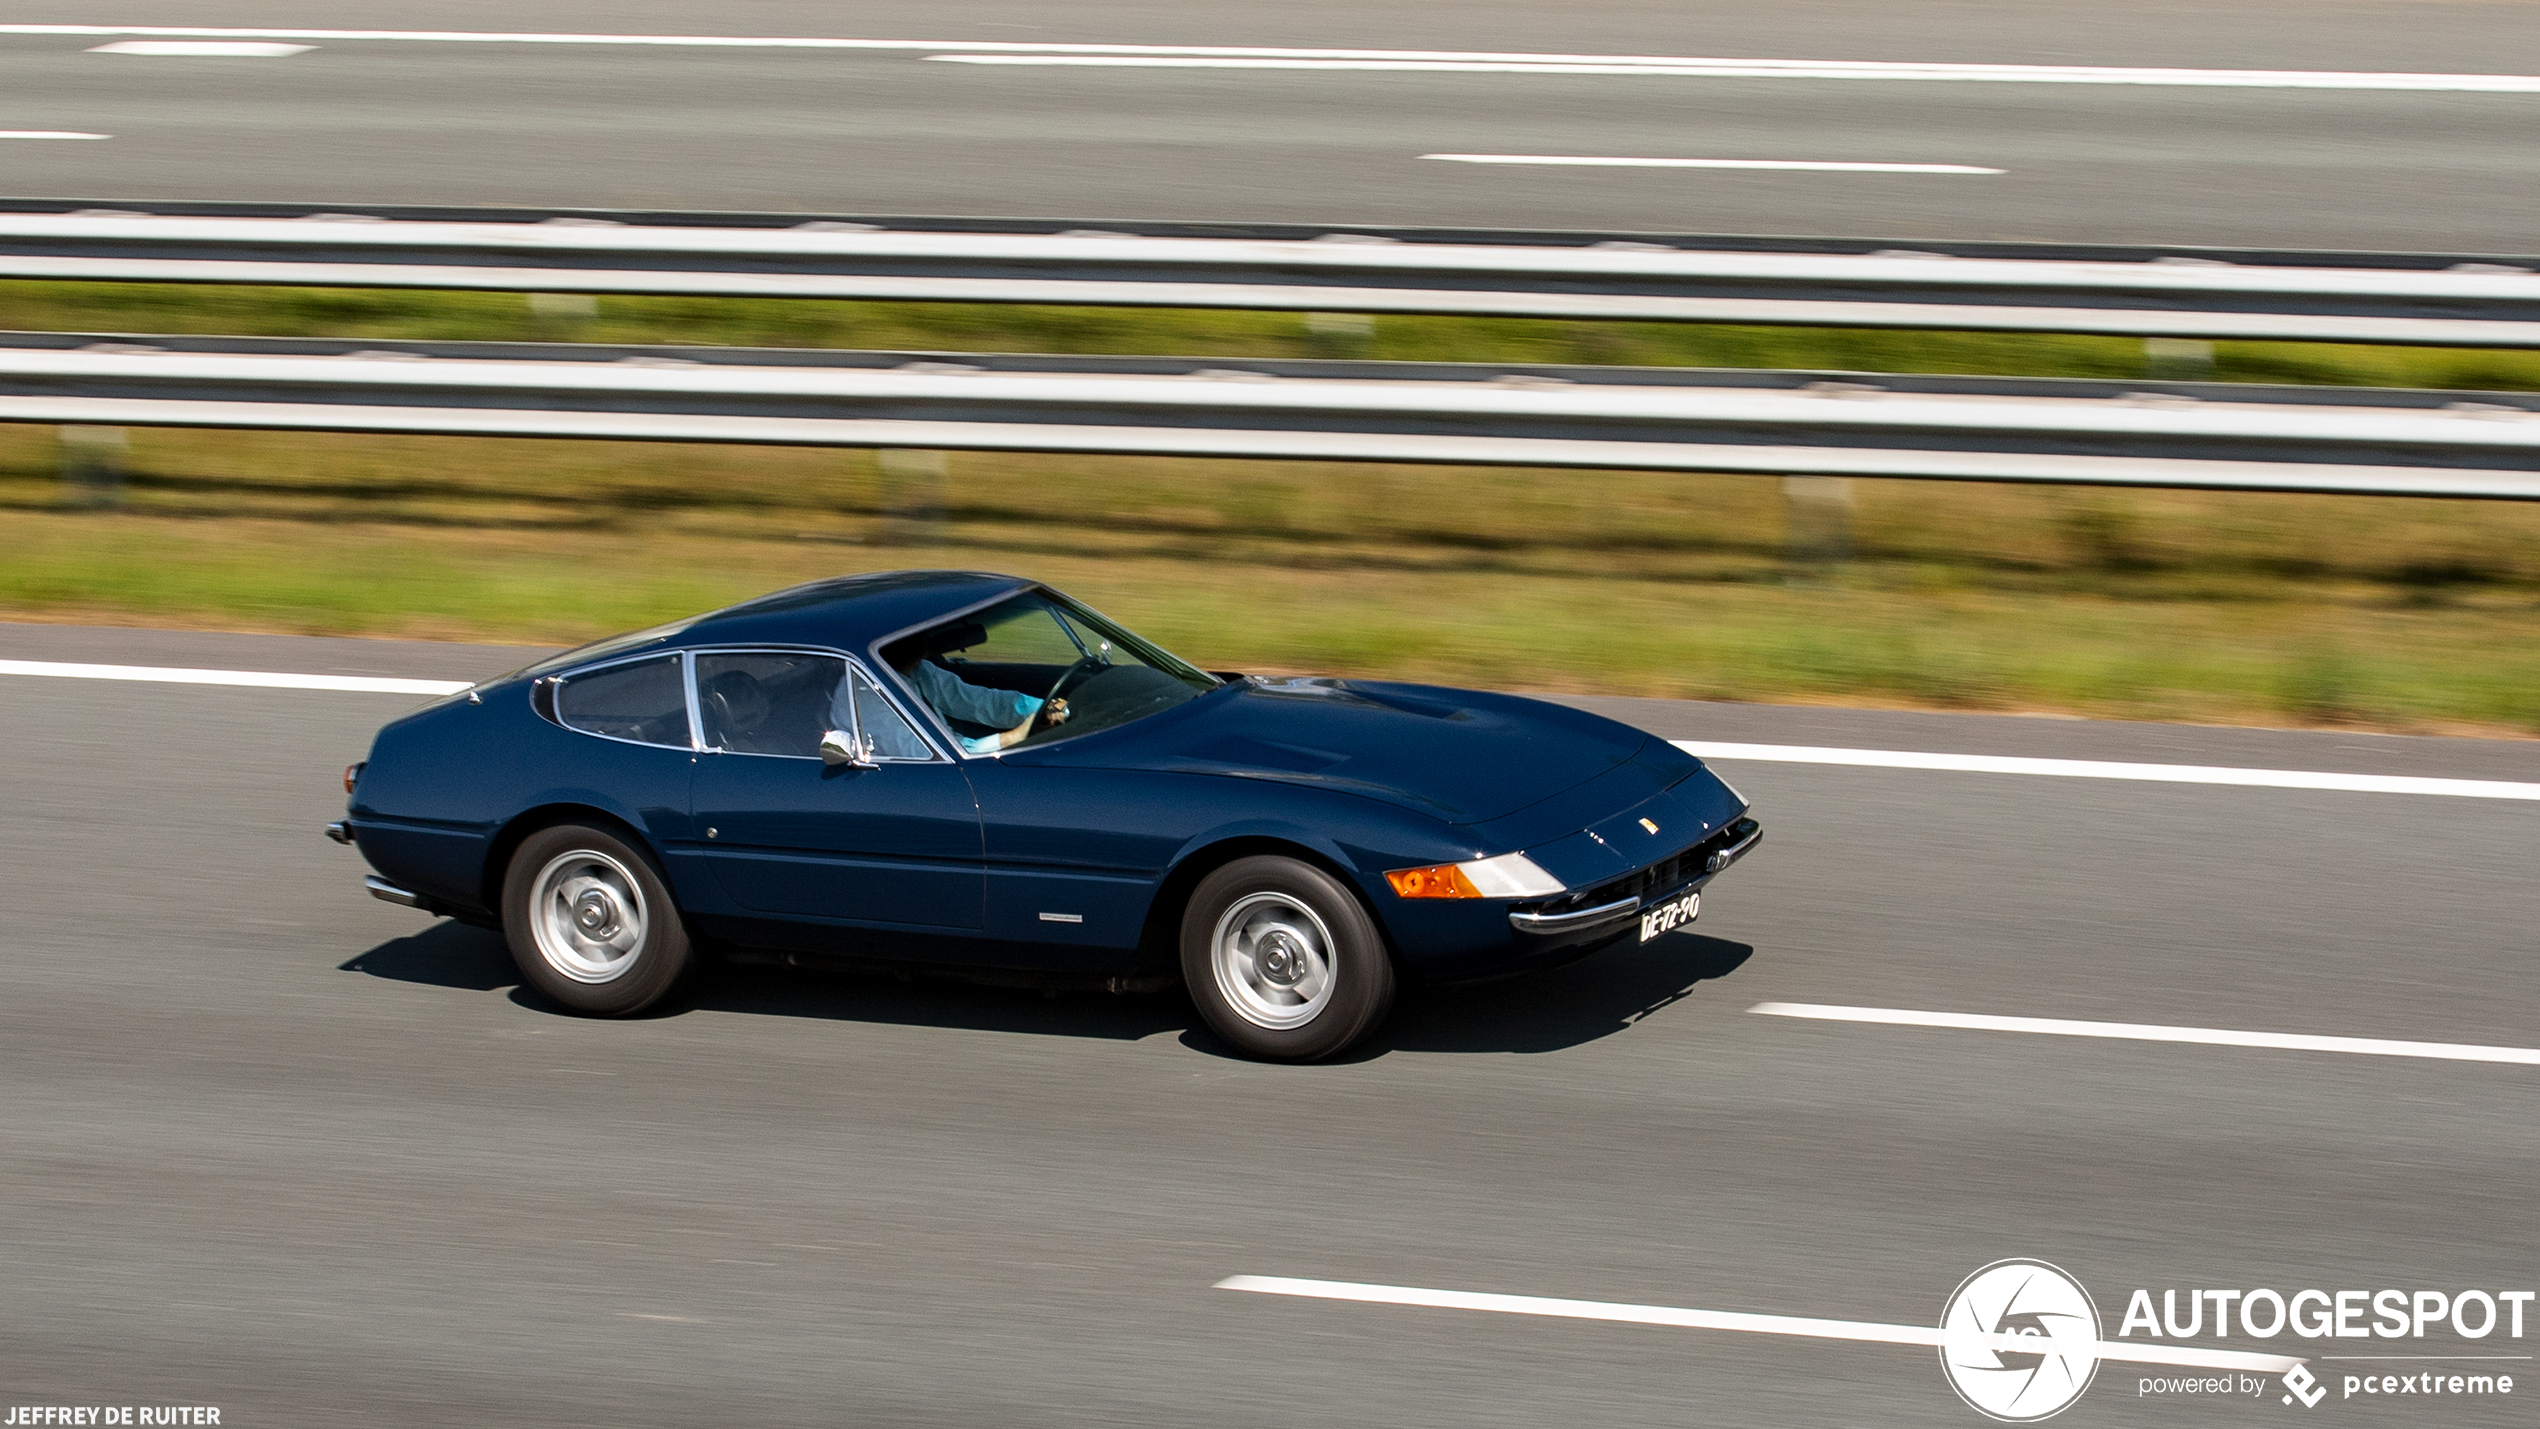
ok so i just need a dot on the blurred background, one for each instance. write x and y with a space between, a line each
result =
2382 613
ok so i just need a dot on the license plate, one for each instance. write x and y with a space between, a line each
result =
1675 913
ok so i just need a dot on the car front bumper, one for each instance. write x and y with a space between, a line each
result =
1449 941
1605 915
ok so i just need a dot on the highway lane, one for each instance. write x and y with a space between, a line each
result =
280 1148
895 131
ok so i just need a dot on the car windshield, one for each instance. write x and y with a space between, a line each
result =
1035 669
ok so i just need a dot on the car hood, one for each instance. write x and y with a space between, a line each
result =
1462 756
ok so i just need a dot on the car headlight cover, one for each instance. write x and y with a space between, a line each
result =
1511 875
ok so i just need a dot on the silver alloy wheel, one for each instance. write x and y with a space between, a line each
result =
587 913
1274 961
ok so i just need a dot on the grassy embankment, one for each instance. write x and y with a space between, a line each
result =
2268 609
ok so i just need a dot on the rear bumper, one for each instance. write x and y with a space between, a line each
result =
387 892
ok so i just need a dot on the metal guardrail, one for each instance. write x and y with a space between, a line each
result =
2230 436
2413 299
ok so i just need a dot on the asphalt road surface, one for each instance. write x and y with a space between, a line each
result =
355 120
276 1147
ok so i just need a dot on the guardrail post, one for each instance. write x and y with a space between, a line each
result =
1816 521
2178 359
1348 335
564 307
913 490
93 467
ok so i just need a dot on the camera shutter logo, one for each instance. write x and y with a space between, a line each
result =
2027 1301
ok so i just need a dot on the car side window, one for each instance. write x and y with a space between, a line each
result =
761 702
645 701
890 732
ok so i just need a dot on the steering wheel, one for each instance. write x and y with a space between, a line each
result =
1072 675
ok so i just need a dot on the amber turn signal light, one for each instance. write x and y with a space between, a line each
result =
1443 880
351 773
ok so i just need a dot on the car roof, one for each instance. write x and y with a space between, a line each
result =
849 612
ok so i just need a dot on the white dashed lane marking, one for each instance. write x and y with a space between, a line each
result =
1924 1336
2103 769
2151 1032
1821 166
202 49
252 679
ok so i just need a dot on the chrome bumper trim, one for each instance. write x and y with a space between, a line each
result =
1601 914
1623 908
387 892
340 831
1733 852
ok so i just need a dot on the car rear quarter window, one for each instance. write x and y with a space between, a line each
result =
645 701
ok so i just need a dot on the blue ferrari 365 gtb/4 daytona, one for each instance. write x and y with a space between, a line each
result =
975 772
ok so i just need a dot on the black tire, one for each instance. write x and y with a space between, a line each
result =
1304 973
593 879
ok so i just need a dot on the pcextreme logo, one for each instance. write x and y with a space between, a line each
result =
2020 1342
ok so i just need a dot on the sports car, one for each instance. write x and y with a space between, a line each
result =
978 773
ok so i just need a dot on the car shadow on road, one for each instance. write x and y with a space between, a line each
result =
455 955
1544 1012
924 1001
1596 997
444 955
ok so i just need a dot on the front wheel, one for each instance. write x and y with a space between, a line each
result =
591 924
1283 961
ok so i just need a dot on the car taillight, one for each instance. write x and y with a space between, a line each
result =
352 773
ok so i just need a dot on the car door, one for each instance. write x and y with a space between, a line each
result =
894 843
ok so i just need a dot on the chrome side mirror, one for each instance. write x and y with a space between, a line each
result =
840 746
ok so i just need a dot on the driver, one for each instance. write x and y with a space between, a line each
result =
1010 713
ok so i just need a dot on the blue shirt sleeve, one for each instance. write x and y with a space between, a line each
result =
956 699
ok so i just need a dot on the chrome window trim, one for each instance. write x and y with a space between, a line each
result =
565 677
826 652
696 715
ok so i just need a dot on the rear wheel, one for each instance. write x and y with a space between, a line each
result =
1283 961
591 924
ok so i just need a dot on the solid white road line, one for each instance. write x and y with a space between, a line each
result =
1581 161
2146 1032
1802 69
255 679
2103 769
1705 749
49 134
202 49
1918 1335
1019 52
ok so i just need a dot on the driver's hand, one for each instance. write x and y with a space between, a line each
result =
1055 711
